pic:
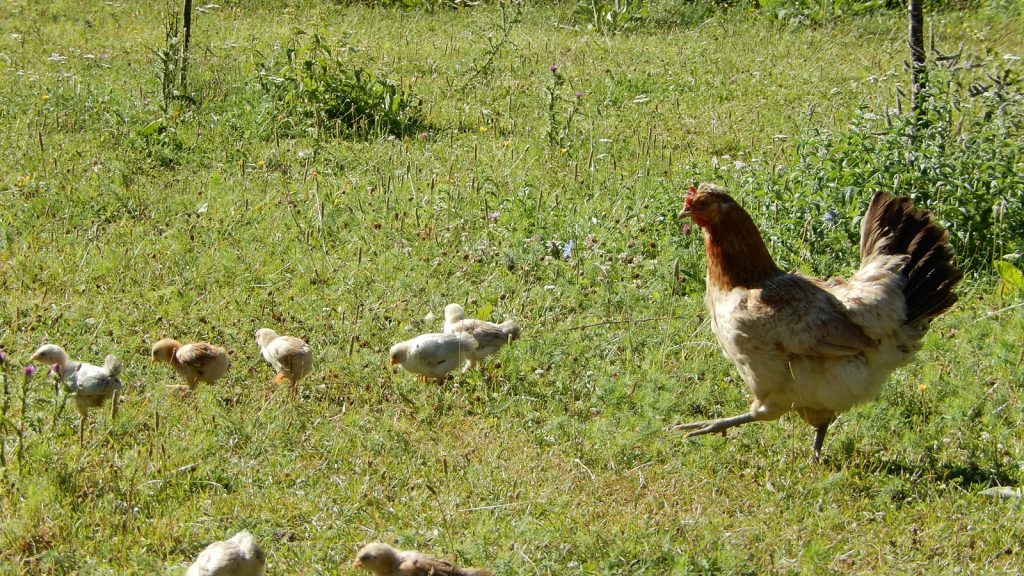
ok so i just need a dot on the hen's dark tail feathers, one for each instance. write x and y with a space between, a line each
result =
895 226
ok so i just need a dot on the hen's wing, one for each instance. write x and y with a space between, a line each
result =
803 318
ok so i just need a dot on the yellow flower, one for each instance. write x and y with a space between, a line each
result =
922 387
23 181
564 150
260 163
483 129
313 173
44 97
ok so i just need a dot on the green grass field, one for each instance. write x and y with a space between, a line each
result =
123 221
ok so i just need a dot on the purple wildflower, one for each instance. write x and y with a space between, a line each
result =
686 229
494 215
29 371
579 94
2 358
554 68
567 249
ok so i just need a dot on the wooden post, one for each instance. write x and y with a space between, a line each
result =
187 29
917 60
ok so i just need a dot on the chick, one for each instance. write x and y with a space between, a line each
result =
490 337
237 556
290 356
87 384
196 362
433 355
383 560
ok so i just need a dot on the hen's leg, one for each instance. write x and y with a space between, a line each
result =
819 439
720 425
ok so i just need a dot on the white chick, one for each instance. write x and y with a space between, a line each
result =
89 385
236 556
433 355
490 337
383 560
196 362
289 356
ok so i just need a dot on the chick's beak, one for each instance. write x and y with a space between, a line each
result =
34 358
357 563
392 361
152 359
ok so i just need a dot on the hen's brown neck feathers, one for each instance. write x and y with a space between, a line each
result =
737 255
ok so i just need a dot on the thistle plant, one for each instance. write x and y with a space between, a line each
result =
28 372
4 405
559 127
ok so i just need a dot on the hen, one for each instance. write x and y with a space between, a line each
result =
289 356
433 355
490 337
816 347
89 385
383 560
236 556
196 362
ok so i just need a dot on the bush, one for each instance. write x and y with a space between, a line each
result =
961 156
316 90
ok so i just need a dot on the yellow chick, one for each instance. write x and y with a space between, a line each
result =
196 362
433 355
289 356
383 560
490 337
89 385
236 556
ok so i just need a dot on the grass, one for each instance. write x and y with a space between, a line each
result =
122 224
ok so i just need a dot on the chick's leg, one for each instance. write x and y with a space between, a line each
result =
709 426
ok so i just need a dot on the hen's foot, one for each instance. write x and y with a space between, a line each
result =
710 426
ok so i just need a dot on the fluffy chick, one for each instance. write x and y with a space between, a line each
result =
383 560
89 385
236 556
433 355
289 356
196 362
490 337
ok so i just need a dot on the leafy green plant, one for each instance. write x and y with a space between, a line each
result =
322 91
611 16
961 157
1011 276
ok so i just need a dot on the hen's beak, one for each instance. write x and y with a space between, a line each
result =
152 359
392 362
357 563
34 358
685 212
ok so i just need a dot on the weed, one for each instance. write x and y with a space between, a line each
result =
612 16
322 92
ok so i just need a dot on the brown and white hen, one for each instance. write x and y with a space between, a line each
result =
817 347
